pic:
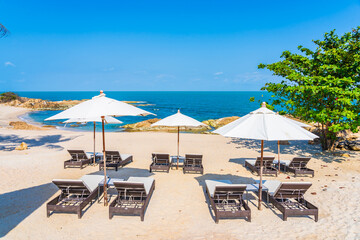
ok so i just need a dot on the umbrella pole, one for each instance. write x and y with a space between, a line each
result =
261 172
178 139
279 156
104 160
94 143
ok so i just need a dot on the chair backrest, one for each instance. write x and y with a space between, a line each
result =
193 159
229 192
267 161
292 190
299 162
77 155
128 190
72 186
161 158
112 156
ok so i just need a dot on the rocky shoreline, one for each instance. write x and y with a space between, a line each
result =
43 105
146 126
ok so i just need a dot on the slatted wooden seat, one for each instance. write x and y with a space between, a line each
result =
268 166
75 194
289 199
160 162
193 164
297 166
115 160
133 197
78 159
226 200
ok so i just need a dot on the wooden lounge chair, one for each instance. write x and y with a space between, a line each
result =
268 167
297 166
133 196
226 199
193 164
78 159
115 160
288 197
160 162
75 194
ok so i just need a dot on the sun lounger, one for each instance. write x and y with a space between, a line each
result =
133 196
75 194
288 197
160 162
115 160
268 168
226 199
297 166
193 163
78 159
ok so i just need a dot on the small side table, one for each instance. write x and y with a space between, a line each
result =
109 184
173 160
254 188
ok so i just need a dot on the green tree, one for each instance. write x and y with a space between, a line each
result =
321 85
3 31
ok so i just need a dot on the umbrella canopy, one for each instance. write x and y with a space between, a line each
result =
297 122
100 107
108 119
178 120
264 124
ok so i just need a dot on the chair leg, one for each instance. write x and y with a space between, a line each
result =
79 214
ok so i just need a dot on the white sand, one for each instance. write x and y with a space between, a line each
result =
178 207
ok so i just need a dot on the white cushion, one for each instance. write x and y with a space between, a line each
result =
125 156
92 181
250 161
271 185
147 181
212 184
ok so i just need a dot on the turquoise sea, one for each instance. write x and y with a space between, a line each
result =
199 105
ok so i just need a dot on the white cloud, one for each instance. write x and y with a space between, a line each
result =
218 73
9 64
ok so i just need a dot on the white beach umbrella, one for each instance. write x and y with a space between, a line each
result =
178 120
264 124
108 120
100 106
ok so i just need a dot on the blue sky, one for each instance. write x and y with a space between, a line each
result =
157 45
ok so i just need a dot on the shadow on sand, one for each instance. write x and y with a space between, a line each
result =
297 148
9 142
17 205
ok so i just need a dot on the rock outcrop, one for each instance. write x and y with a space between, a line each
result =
146 126
19 125
216 123
22 146
40 104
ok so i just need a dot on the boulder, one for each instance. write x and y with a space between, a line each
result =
354 145
216 123
19 125
22 146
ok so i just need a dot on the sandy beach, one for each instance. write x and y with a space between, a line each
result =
178 208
